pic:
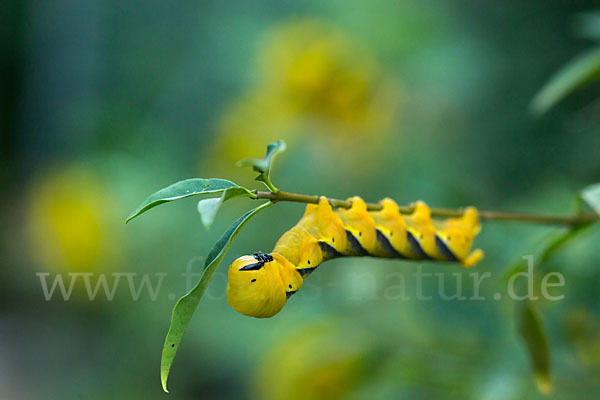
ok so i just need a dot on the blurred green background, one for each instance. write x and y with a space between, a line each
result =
105 102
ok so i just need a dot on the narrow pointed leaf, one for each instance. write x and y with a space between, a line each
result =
528 321
578 72
263 165
185 307
186 188
559 242
591 195
533 335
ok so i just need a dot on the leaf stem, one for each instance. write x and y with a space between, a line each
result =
267 182
572 220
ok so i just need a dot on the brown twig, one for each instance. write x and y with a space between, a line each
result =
572 220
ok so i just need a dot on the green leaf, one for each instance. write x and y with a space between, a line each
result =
185 307
559 242
591 195
578 72
531 330
529 325
187 188
263 165
208 208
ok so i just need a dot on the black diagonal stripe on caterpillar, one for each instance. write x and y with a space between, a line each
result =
260 285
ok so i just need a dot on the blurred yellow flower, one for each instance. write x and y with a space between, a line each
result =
247 126
319 72
68 213
312 363
315 83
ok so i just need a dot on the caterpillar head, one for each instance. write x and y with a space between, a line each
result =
259 285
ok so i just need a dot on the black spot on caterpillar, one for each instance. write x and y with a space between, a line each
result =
323 234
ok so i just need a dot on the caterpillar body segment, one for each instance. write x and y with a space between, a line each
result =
360 229
302 249
260 285
325 226
391 231
456 235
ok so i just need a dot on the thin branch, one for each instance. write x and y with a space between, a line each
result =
572 220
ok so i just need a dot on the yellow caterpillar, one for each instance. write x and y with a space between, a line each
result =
259 285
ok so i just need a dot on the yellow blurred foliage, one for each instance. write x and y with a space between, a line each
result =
313 363
247 126
319 71
68 220
582 326
316 83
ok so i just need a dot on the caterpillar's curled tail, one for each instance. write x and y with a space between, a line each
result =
260 285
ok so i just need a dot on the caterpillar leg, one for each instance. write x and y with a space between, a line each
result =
473 259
